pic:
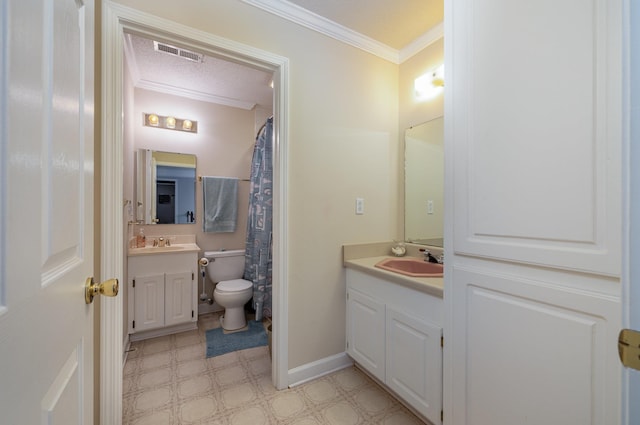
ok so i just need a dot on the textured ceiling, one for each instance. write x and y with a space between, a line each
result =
395 23
215 80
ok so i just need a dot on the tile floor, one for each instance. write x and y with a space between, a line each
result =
168 380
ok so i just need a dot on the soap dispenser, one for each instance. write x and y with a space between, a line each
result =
141 239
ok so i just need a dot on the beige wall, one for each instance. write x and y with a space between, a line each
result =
412 110
343 144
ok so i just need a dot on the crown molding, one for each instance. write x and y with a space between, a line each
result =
301 16
307 19
193 94
423 41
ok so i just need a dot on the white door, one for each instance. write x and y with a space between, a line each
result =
631 391
533 143
46 210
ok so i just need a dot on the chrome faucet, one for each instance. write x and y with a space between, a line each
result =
430 258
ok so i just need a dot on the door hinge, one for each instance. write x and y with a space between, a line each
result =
134 283
193 276
347 295
629 348
134 324
441 341
192 314
442 416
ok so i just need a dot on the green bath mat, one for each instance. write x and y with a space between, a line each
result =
219 343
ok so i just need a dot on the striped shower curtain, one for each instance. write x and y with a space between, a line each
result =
257 265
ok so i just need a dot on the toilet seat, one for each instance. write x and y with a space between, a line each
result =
235 285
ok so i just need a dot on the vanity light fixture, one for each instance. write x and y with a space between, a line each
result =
437 77
152 120
171 123
429 85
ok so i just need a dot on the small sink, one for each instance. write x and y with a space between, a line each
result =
414 267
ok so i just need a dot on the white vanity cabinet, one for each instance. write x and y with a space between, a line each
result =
163 295
365 331
394 332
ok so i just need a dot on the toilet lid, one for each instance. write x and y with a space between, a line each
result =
234 285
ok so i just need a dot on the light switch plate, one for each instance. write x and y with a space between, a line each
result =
359 206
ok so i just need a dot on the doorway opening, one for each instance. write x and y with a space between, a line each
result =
118 21
229 101
166 210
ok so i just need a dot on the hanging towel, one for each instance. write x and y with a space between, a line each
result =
220 196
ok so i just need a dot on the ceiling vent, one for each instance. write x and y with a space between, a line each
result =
177 51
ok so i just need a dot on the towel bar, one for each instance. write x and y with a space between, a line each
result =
242 180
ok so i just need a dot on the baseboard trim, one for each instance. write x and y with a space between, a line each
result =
153 333
310 371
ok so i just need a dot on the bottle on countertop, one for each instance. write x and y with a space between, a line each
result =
141 239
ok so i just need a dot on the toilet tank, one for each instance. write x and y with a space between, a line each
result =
225 265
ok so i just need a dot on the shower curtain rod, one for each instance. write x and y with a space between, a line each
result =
263 126
242 180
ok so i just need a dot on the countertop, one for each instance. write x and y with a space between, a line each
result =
173 249
430 285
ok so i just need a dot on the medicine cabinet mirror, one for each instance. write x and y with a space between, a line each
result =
165 187
424 183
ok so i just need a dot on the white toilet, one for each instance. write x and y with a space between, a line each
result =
232 292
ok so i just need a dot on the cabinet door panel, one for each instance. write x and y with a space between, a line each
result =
365 332
414 362
178 298
149 302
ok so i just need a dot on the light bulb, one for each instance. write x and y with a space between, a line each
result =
153 119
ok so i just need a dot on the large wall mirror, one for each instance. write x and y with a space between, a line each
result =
165 187
424 183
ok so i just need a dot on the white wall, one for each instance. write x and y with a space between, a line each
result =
343 142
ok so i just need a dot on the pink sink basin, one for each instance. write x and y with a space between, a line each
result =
414 267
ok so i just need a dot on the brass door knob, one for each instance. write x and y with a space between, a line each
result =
108 288
629 348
